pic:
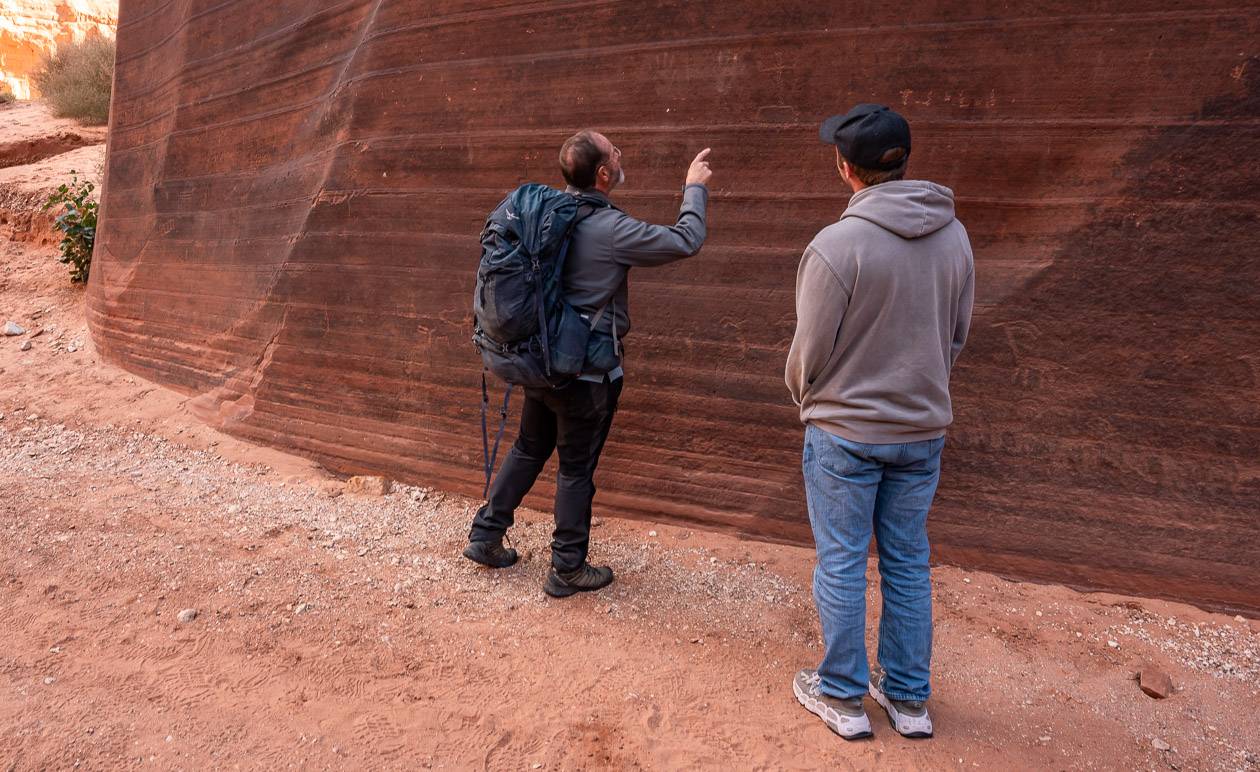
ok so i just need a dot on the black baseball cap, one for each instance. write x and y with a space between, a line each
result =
866 133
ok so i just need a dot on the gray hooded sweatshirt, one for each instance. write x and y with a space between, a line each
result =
883 305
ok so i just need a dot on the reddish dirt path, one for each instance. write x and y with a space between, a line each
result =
408 656
117 511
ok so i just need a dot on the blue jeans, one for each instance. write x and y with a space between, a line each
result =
854 489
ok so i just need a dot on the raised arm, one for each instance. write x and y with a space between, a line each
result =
637 243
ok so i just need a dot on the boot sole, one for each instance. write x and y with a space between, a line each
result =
474 557
564 591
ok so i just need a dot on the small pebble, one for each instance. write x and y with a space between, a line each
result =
187 615
1160 745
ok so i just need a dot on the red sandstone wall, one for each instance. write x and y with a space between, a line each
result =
295 189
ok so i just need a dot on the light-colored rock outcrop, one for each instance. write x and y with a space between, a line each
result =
29 28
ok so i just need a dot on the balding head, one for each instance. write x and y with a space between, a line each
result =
581 156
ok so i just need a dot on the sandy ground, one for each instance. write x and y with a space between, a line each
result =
29 124
343 631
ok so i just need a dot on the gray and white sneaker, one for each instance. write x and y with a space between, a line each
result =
909 717
846 718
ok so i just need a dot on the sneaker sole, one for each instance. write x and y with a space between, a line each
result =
886 704
816 707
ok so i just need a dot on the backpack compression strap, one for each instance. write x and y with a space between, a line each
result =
485 431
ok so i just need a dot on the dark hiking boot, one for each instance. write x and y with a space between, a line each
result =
846 718
909 717
586 579
490 553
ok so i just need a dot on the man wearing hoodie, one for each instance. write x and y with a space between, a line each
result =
883 305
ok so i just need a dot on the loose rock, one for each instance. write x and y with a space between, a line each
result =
187 615
1155 682
12 328
369 485
1160 745
26 345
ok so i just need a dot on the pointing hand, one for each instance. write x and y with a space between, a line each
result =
699 173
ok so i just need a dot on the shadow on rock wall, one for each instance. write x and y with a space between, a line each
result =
1114 405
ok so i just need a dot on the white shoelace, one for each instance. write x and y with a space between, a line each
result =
814 682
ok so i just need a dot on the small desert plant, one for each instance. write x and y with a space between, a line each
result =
6 93
77 78
77 222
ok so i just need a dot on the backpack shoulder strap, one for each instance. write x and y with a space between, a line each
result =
592 203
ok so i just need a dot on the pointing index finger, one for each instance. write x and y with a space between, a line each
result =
703 154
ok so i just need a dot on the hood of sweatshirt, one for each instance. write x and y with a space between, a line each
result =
909 208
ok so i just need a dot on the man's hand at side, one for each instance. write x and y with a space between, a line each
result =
699 172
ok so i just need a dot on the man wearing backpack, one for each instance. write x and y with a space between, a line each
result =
575 418
883 306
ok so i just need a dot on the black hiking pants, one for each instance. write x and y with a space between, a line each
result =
575 421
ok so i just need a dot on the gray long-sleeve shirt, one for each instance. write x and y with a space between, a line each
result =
609 242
